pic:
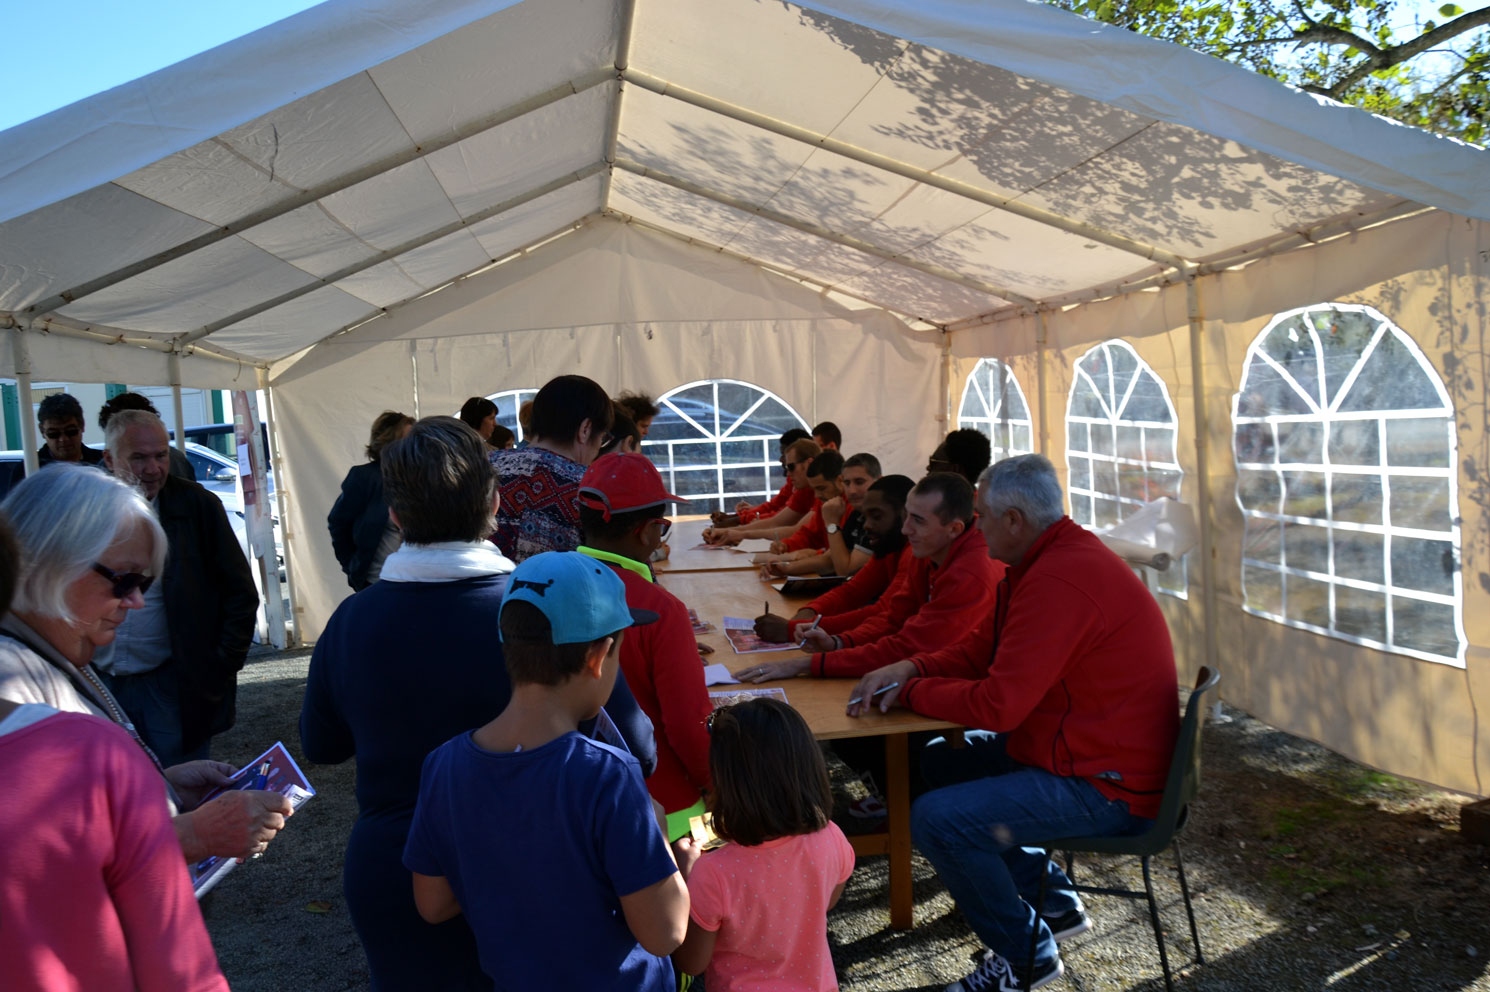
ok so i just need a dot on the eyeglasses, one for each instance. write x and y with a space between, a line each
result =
667 526
790 465
124 582
60 433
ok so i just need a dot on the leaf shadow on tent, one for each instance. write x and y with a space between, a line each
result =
1162 183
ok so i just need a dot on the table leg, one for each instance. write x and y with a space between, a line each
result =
898 799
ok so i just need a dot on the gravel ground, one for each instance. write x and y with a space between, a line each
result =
1308 872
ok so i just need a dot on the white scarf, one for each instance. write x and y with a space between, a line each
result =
445 561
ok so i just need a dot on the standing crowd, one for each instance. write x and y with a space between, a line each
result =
527 708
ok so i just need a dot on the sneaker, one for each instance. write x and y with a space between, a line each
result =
1068 924
868 808
995 974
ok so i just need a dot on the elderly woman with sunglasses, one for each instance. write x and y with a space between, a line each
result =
90 546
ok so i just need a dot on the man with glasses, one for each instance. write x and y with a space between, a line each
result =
59 418
174 663
798 457
621 507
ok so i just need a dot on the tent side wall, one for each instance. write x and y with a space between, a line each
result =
1429 275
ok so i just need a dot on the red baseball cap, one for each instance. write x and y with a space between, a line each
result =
623 481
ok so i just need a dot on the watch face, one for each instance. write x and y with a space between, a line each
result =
832 528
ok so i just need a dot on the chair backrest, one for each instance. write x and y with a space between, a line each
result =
1184 768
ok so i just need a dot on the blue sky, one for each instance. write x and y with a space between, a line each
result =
65 50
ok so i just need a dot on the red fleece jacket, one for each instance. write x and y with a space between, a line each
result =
927 611
1074 665
845 607
798 499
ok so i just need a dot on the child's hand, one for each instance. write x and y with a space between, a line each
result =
687 851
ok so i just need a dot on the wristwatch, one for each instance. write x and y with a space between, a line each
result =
831 528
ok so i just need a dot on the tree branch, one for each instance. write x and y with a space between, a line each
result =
1378 59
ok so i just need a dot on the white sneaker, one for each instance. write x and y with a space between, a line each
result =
995 974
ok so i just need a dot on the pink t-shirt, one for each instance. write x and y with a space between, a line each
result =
94 892
769 907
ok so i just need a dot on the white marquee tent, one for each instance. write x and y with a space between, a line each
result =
401 203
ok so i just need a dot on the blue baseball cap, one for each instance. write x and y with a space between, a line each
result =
583 599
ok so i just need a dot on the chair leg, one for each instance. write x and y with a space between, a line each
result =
1179 860
1148 884
1029 961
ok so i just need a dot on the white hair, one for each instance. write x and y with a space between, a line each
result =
123 421
65 517
1025 482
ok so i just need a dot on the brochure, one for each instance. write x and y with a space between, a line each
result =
280 774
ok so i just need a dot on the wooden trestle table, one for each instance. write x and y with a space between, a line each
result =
717 594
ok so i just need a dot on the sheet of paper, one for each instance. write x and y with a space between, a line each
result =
746 641
734 696
739 623
718 675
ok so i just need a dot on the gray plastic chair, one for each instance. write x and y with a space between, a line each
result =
1179 790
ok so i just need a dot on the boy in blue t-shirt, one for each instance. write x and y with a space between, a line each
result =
544 838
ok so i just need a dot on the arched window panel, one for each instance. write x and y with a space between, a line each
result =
1346 461
1120 444
507 403
715 442
993 403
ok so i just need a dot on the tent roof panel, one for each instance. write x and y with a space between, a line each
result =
440 88
525 224
298 324
508 160
187 293
61 245
310 239
386 210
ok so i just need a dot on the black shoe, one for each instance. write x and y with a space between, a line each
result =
1068 924
995 974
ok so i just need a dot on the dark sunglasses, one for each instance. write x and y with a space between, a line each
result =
57 435
125 582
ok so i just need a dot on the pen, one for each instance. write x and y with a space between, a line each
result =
878 692
766 604
261 780
816 620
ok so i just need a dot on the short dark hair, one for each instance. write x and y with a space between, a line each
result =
59 406
440 482
769 777
476 409
529 650
956 495
501 437
621 427
124 401
790 438
894 488
970 451
828 465
638 406
866 461
827 433
592 522
567 401
385 430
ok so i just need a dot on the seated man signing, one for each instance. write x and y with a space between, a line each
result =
788 494
798 456
948 586
1069 687
838 526
846 606
622 507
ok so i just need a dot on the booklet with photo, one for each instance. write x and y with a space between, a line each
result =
274 770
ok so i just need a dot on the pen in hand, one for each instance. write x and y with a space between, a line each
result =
261 780
875 694
802 639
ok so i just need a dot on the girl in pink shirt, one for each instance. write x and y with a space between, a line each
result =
759 905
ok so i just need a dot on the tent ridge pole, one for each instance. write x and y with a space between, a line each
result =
613 126
807 227
21 356
62 328
414 152
331 279
862 155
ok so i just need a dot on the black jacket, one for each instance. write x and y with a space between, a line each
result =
210 602
357 521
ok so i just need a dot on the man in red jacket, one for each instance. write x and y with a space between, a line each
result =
948 586
1070 688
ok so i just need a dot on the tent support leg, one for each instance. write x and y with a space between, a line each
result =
1041 340
1202 469
173 366
279 504
21 353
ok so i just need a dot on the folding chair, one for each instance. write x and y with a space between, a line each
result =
1179 790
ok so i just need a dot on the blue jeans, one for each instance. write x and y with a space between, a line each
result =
982 808
153 701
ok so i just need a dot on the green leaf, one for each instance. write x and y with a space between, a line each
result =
1104 11
1451 10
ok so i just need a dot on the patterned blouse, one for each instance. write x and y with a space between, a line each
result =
540 508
